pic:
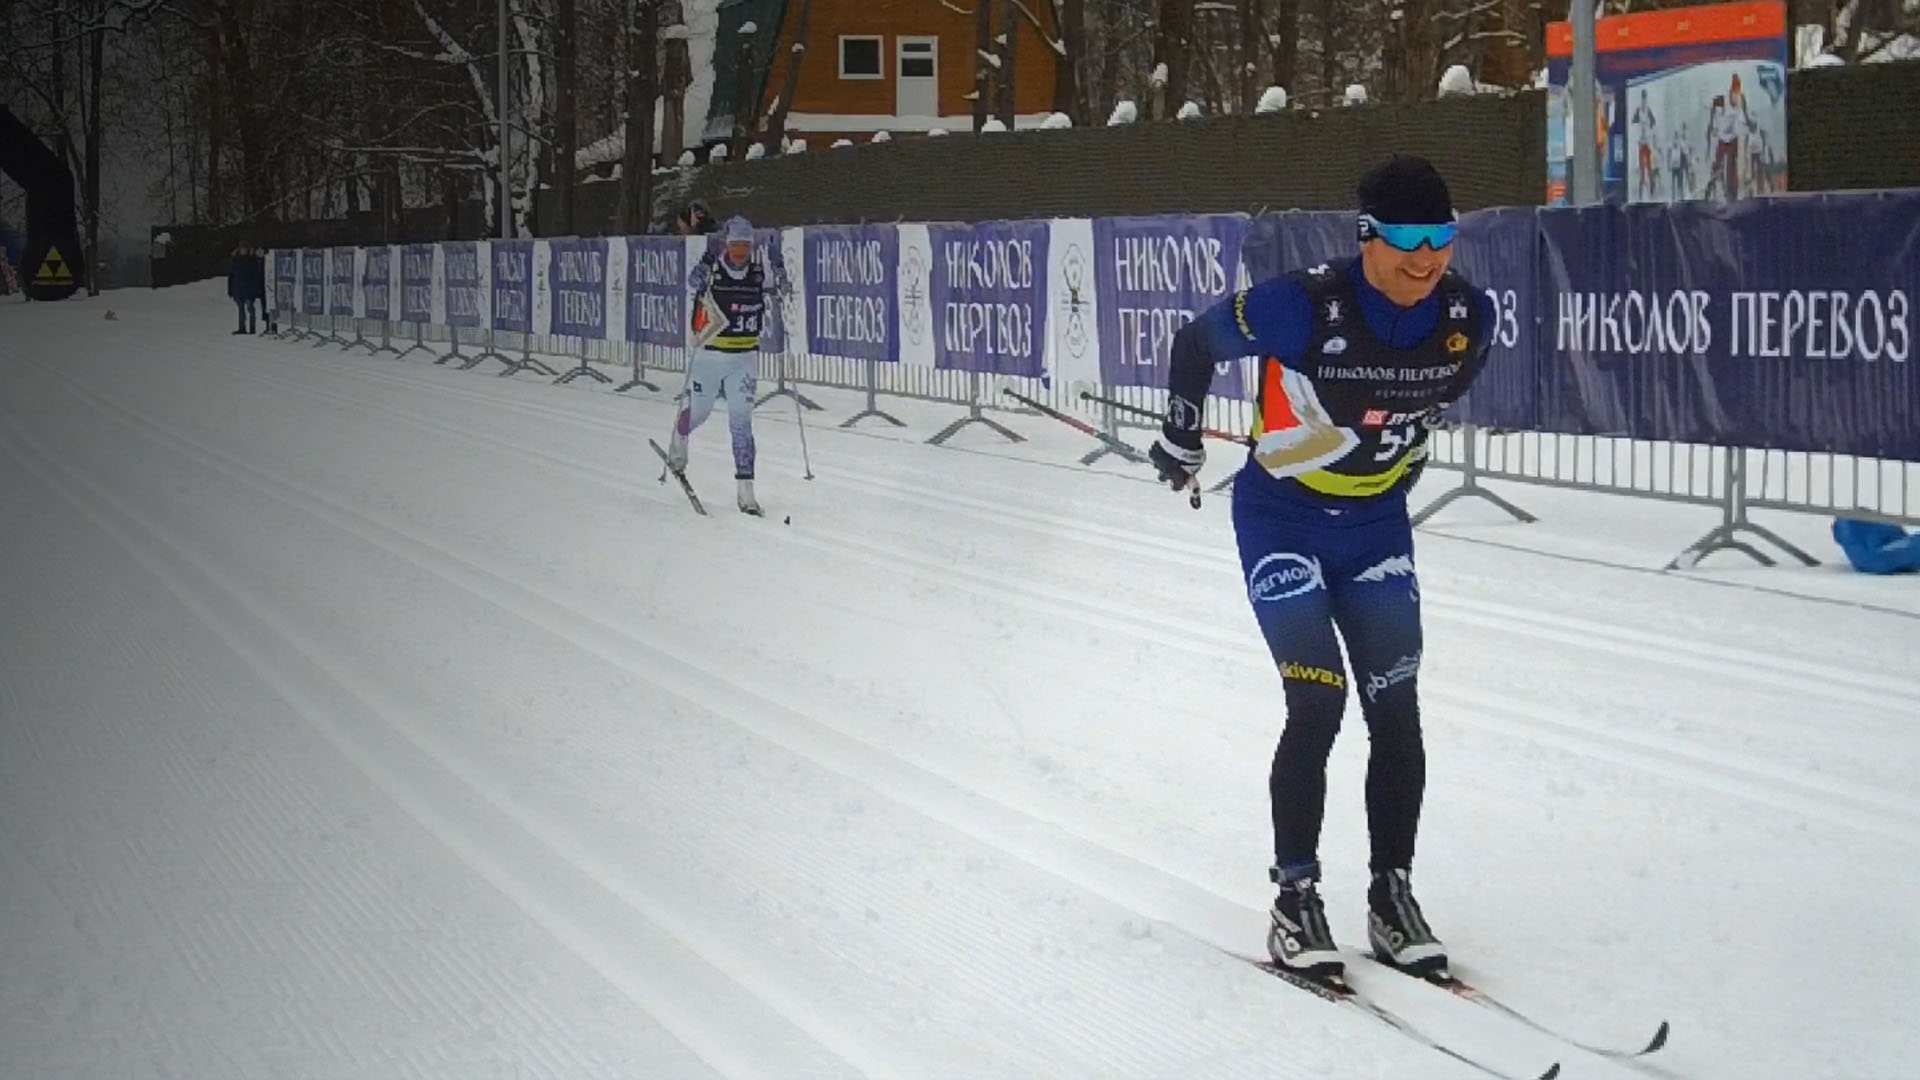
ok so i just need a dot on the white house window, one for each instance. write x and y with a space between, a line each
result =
860 57
917 57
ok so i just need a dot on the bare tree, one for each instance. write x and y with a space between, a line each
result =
1008 40
1173 47
984 60
676 76
776 125
96 67
1252 29
55 59
1863 29
1331 75
642 89
1069 94
566 121
1286 45
744 69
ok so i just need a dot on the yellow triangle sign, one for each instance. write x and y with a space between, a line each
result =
53 271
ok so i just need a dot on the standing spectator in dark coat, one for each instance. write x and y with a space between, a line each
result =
246 283
257 277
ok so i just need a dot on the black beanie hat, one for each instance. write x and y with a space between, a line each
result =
1406 190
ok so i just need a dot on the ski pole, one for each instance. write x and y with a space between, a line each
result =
1124 449
800 415
1149 414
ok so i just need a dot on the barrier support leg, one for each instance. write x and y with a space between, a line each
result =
419 342
386 340
873 404
453 346
529 362
1470 486
639 373
1726 536
1112 428
974 416
491 352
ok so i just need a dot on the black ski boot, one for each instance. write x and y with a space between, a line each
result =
1298 938
1398 931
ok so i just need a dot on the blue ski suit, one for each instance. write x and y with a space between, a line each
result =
1349 386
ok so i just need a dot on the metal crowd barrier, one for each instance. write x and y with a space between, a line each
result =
1736 480
1731 479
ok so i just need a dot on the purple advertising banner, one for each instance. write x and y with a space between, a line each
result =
462 268
656 290
989 297
340 282
853 303
1496 252
313 281
416 283
1783 323
1311 237
513 286
377 282
1152 276
286 279
577 281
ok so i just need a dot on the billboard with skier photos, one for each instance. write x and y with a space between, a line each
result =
1691 103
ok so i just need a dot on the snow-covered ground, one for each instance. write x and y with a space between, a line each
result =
371 719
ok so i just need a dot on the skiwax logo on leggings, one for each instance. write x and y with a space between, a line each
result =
1282 575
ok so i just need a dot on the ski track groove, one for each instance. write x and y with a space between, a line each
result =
243 859
1661 755
719 1051
122 914
248 853
942 935
409 546
162 746
358 903
1783 671
1162 895
1726 771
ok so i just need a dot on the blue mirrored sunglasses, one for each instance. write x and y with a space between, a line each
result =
1410 237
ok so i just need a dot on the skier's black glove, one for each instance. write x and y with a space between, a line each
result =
1176 464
